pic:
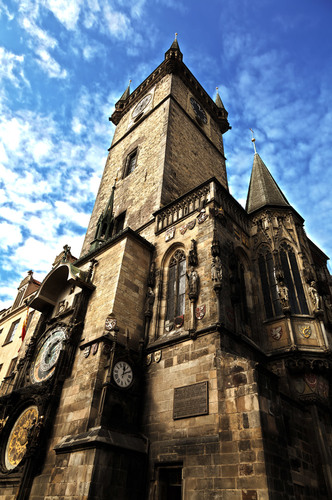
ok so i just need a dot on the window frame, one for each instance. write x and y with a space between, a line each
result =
176 286
130 156
12 330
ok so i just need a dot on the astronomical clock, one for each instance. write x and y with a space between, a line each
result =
27 411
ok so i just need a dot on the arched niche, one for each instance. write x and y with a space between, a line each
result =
56 282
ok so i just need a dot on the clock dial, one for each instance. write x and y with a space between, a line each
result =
48 355
198 110
19 436
123 374
141 105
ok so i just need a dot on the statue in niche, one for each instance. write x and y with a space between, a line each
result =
283 295
216 269
192 258
149 301
193 282
315 298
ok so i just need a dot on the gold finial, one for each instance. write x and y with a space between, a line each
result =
253 140
217 88
130 81
176 36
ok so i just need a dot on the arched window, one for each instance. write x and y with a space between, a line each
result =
176 286
243 291
293 281
269 284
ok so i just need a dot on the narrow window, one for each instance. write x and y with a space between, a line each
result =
19 298
243 292
131 163
119 223
11 368
12 331
269 285
293 281
176 286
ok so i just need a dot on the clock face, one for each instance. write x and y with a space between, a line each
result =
48 355
18 438
198 110
141 105
123 374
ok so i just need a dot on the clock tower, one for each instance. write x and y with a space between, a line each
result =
168 139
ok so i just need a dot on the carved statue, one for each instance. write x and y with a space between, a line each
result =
315 298
192 258
283 295
193 282
216 269
149 301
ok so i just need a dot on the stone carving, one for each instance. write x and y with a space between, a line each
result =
202 216
169 235
35 430
200 312
157 356
193 282
216 269
169 325
283 296
276 332
314 296
149 301
192 258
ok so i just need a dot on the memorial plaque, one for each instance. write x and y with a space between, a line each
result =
191 401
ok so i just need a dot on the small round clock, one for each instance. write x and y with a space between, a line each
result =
198 110
141 105
19 437
47 356
123 374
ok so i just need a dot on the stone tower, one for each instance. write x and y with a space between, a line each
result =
186 353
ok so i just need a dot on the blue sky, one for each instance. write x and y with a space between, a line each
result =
63 65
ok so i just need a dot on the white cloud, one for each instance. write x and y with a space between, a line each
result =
9 233
11 67
43 38
50 65
67 12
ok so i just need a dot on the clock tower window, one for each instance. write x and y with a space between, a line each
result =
131 163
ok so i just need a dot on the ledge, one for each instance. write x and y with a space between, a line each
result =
98 437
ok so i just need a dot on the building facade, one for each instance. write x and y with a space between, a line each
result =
186 353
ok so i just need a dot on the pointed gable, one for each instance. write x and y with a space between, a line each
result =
263 189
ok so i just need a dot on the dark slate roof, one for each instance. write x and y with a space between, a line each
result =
126 94
263 189
218 101
175 44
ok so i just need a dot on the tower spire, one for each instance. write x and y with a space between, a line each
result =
174 51
126 93
218 100
263 189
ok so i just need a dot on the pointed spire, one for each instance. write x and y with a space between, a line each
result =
218 100
108 212
175 44
174 51
263 189
126 93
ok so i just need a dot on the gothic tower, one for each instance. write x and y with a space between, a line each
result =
186 353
